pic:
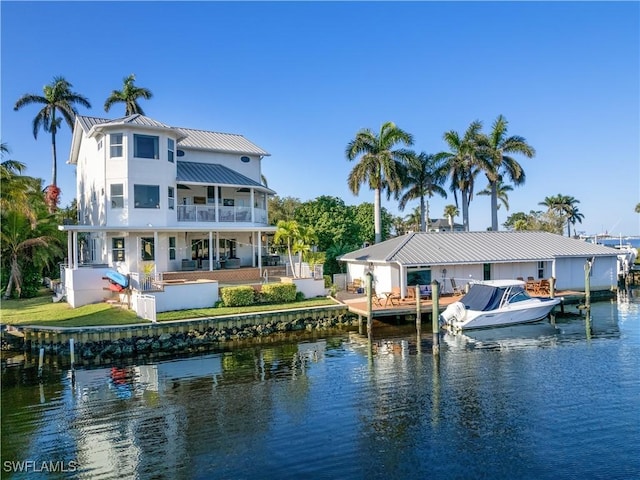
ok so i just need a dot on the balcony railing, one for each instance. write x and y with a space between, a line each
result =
206 213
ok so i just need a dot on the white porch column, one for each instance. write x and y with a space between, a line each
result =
217 246
253 206
259 242
70 249
210 250
75 251
216 202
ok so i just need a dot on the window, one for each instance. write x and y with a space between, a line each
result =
145 146
117 249
211 195
115 145
117 195
172 248
540 269
171 147
146 196
418 277
172 198
147 250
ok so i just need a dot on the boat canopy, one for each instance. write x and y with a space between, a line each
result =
483 298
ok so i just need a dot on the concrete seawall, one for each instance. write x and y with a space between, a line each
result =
180 335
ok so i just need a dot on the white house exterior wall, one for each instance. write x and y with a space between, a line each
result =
250 169
570 274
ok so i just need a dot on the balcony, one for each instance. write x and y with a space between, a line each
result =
212 214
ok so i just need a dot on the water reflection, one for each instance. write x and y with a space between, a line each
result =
329 408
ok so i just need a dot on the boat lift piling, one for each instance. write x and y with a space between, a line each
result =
435 316
369 308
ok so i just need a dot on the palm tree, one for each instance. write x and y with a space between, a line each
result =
637 207
413 221
501 193
573 216
565 206
129 95
464 162
380 164
496 146
57 98
451 211
424 175
287 233
306 237
17 189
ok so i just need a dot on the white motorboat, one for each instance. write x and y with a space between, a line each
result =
494 303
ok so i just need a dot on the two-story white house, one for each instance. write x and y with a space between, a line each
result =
155 198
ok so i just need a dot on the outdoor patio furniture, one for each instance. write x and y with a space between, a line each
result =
188 264
456 290
355 286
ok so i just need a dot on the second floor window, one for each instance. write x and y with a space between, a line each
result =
171 148
117 195
115 145
172 198
146 196
145 146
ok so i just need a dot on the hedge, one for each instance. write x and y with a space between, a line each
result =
239 296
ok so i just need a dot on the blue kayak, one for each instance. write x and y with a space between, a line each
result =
117 278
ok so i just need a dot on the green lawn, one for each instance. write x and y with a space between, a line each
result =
42 311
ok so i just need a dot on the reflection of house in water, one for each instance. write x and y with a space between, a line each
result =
143 423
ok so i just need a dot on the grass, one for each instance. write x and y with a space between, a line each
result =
42 311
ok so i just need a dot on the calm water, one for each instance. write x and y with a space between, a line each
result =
536 401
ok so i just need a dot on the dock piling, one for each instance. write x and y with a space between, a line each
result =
435 316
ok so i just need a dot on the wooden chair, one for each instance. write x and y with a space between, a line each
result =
531 285
354 286
544 287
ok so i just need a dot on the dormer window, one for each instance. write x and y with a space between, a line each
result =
145 146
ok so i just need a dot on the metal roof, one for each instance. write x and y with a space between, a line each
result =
220 142
187 137
416 249
214 174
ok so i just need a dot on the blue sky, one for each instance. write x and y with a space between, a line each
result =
300 79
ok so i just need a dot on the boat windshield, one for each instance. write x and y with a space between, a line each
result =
483 297
518 294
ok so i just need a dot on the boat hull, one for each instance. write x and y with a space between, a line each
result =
522 312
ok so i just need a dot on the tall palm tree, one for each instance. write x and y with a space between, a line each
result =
637 207
58 98
464 163
380 164
496 146
501 193
424 175
129 95
451 211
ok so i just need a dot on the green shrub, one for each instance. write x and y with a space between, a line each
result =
239 296
278 293
299 296
327 281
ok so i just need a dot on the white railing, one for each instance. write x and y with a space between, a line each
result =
146 282
207 213
303 270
